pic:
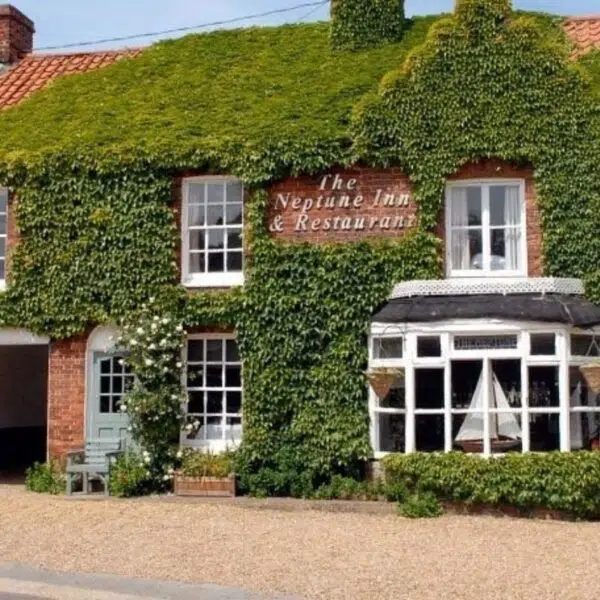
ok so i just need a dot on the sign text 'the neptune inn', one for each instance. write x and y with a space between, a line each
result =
343 204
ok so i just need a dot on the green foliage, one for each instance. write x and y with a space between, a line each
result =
421 506
256 102
45 478
568 482
195 463
155 340
130 477
358 24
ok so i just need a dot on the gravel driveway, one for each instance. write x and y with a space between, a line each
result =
309 553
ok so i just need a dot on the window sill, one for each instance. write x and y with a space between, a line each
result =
214 280
217 446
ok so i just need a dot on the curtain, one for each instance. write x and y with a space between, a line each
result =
459 218
512 220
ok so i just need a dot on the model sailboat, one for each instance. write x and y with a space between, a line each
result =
505 431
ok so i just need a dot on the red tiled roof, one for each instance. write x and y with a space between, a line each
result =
585 32
36 70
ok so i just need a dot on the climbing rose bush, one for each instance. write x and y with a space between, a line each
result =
156 403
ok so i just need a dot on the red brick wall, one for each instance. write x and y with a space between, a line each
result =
16 34
317 224
488 169
66 395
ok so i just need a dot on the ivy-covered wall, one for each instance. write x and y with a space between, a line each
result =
98 235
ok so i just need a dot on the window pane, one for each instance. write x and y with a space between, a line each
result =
105 384
391 432
583 345
429 346
504 205
216 239
543 387
507 375
465 206
214 428
2 223
233 214
195 193
196 214
429 433
215 214
2 269
584 424
233 376
195 350
216 262
467 432
214 376
214 402
234 191
234 238
234 261
234 402
197 263
232 354
466 249
105 404
396 397
196 402
465 375
117 383
214 350
542 344
196 239
429 388
215 193
387 348
194 375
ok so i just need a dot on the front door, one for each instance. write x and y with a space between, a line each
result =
110 379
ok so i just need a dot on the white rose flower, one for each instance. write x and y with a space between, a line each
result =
152 347
196 423
179 453
149 362
133 342
139 331
166 321
179 328
123 407
178 365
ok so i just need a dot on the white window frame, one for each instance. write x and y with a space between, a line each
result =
4 236
221 445
446 330
485 184
204 280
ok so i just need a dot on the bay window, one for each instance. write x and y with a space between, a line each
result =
485 229
482 387
212 223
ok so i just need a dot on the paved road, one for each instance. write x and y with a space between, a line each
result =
21 582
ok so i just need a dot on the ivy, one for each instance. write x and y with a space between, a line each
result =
358 24
93 157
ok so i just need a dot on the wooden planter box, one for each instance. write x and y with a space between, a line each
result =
205 486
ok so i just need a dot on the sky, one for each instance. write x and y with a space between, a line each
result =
62 22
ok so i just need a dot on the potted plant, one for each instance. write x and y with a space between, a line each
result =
203 473
383 378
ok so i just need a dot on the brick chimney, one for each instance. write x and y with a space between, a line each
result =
16 34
